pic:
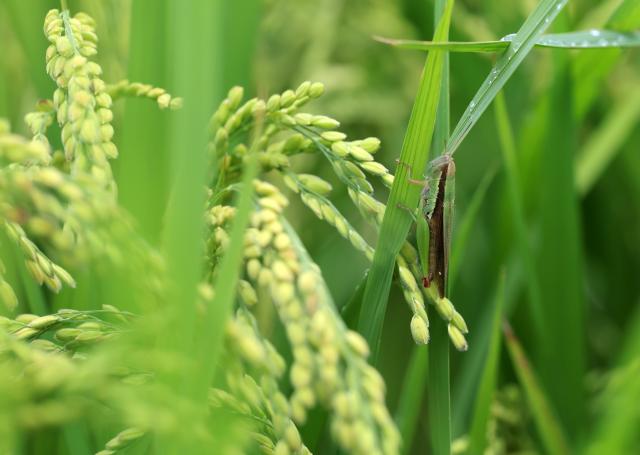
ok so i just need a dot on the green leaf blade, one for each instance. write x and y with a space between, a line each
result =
560 260
438 372
396 222
583 39
590 39
450 46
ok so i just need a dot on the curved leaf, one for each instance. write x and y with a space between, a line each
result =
584 39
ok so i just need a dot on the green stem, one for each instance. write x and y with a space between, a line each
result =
438 393
68 32
64 5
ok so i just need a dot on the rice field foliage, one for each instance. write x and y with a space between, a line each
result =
210 239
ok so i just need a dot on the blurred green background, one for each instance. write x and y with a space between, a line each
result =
572 269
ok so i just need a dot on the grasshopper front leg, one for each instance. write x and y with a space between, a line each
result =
412 181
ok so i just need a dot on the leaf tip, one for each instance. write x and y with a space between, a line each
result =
383 40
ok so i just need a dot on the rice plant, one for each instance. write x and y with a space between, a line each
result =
231 228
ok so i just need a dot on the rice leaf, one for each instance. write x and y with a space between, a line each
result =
559 258
450 46
193 76
397 220
438 389
535 24
489 378
585 39
589 39
438 372
193 50
546 421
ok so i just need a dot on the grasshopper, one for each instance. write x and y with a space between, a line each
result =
436 221
437 205
435 224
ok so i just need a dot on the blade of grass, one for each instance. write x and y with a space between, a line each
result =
396 222
546 421
559 259
508 149
450 46
194 47
489 378
438 374
442 127
535 24
191 75
438 385
606 140
585 39
438 389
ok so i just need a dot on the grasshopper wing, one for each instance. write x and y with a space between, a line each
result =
448 208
